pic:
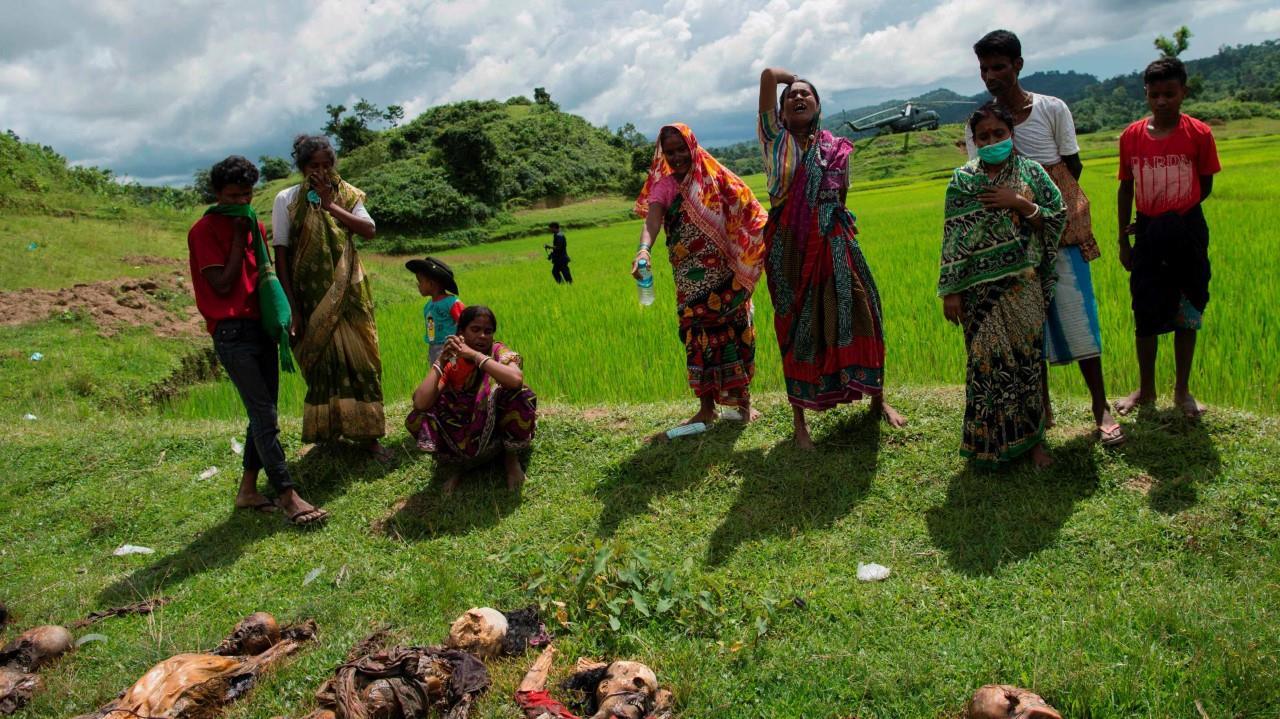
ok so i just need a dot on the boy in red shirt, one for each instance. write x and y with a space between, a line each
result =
224 277
1167 164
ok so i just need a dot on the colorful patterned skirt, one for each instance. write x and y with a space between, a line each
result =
471 426
1004 398
826 309
714 312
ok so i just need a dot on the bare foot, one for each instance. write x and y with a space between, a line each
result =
1190 406
1135 400
803 440
738 415
887 412
255 500
705 416
515 473
1041 457
382 454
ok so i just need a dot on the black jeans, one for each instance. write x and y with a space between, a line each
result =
251 359
561 273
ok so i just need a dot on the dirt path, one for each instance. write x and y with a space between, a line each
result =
113 304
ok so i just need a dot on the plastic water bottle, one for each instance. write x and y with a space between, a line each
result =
645 282
686 430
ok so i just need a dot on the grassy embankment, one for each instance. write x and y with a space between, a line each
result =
1130 583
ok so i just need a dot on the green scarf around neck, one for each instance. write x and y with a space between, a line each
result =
272 300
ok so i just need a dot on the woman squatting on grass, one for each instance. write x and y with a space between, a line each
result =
224 277
335 339
713 224
826 305
1004 219
473 402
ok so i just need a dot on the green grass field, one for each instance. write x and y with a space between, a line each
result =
1131 583
593 343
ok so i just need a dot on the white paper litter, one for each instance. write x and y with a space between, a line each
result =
237 446
29 417
872 572
36 356
311 576
126 549
208 473
90 638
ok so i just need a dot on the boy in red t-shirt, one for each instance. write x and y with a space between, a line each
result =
1167 164
224 277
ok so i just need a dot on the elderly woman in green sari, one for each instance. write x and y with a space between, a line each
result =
1004 219
335 339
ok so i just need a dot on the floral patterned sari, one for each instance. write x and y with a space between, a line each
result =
474 416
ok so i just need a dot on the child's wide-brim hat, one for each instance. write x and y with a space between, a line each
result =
436 270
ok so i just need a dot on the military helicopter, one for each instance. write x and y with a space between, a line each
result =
906 119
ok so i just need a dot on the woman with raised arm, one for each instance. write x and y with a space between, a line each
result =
713 224
335 339
826 306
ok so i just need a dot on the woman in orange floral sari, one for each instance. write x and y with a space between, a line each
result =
713 224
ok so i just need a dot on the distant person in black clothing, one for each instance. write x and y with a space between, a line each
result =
559 255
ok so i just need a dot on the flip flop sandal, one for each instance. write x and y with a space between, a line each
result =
266 506
319 518
1113 437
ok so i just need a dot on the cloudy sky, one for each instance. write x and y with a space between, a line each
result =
156 89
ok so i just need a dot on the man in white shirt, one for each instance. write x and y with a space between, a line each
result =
1044 131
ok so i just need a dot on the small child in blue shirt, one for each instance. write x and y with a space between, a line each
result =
440 313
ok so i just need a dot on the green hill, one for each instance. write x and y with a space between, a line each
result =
469 163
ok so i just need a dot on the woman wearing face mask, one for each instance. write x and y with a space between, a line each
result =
713 224
474 403
1004 220
826 306
335 339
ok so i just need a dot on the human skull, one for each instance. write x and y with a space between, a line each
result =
35 648
254 634
479 630
1002 701
626 690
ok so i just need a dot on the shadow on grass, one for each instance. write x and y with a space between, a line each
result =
1175 453
324 474
658 468
481 500
783 490
993 517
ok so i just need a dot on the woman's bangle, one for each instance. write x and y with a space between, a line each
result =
1034 213
436 366
643 248
481 365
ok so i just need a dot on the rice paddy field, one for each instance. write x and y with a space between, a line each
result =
592 343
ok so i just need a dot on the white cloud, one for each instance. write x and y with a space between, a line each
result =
156 89
1265 21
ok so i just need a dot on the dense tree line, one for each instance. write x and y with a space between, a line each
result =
457 165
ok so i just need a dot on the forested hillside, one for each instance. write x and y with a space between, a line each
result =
35 177
458 166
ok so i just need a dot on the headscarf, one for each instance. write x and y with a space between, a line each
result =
718 202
